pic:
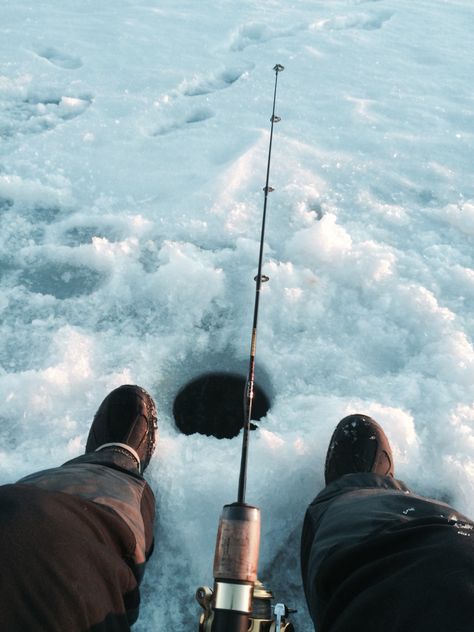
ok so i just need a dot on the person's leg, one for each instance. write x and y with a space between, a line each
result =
119 447
362 499
75 538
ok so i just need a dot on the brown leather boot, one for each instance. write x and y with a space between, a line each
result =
126 420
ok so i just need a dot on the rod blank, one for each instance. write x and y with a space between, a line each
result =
249 388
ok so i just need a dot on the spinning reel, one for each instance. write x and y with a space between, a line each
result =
263 618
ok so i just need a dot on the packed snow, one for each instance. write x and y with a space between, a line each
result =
133 147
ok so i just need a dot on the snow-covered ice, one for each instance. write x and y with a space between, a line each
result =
133 142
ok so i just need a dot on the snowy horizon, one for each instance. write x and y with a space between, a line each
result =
133 147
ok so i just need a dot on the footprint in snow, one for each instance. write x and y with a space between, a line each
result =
254 33
198 115
362 21
202 85
60 59
40 113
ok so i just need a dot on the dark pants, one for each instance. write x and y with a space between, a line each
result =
73 544
376 557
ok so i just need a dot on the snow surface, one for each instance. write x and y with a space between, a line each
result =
133 149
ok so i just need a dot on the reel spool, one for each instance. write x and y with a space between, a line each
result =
263 618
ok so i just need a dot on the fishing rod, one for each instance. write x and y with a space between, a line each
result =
239 602
259 279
